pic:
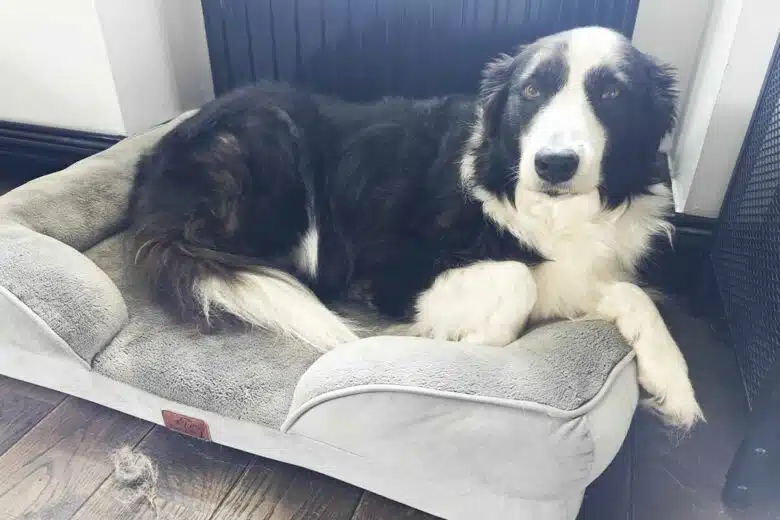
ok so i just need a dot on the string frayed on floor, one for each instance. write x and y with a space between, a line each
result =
136 475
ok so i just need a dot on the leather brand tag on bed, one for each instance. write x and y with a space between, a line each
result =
187 425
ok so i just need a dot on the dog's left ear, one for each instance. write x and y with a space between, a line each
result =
494 91
663 96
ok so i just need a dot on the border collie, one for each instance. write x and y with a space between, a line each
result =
466 217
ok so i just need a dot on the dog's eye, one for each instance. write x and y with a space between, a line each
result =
530 91
611 92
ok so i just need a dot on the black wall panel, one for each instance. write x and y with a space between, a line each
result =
364 49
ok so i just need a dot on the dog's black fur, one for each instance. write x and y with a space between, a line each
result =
236 185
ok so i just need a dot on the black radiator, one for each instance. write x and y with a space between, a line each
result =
746 256
365 49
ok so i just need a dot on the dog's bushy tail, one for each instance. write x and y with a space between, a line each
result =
273 299
214 185
209 285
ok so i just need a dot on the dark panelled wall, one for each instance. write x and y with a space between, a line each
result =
364 49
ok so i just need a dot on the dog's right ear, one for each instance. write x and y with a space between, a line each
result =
494 91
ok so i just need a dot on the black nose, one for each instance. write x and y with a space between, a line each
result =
556 165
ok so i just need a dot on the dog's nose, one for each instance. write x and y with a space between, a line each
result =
556 165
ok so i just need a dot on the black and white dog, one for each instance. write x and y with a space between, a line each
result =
466 217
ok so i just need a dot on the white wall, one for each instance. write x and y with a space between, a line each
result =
54 69
159 58
115 66
732 66
672 30
188 51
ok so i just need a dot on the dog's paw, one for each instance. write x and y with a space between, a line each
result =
499 337
671 397
486 303
492 333
663 372
494 338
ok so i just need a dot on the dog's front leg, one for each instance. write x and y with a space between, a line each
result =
487 302
663 371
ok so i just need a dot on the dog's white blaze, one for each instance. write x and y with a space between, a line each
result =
486 303
307 251
568 120
274 300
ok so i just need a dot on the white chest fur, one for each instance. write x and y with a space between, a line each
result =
588 247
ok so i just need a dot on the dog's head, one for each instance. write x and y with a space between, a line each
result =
571 113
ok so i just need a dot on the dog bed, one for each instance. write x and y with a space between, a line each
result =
460 431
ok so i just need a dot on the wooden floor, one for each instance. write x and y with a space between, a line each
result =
55 465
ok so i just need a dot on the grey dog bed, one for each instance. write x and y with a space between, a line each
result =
460 431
